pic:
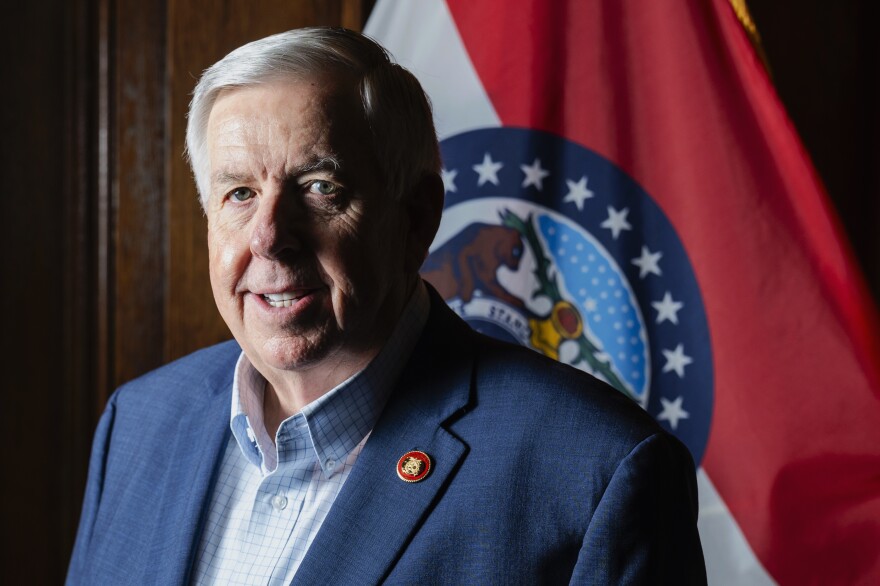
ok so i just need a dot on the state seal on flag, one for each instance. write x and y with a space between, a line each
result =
547 244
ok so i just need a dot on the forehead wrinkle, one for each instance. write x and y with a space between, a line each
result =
250 143
228 177
239 165
315 164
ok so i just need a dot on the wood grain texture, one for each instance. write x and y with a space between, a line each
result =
138 162
47 301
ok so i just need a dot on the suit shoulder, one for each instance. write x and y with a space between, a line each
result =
547 392
210 367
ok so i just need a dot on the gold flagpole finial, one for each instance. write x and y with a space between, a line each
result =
745 19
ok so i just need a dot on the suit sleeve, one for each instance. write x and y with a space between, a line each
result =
79 561
644 530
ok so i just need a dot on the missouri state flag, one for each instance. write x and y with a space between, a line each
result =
625 193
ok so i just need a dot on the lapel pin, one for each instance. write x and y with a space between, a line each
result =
413 466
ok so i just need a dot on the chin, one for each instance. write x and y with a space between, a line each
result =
293 354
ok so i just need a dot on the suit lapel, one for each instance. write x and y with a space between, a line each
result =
201 438
376 513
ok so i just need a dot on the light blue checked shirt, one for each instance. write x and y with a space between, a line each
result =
272 497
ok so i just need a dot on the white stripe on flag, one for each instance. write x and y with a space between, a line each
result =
729 559
422 37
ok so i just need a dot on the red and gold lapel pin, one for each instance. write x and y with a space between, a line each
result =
413 466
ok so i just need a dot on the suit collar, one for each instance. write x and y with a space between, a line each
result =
376 513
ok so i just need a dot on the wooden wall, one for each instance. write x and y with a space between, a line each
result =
103 247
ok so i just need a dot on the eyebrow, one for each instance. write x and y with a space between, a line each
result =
328 163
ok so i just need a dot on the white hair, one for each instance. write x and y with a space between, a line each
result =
395 106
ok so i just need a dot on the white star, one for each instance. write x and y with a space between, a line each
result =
488 170
667 309
648 263
534 174
448 180
616 221
672 411
577 192
676 360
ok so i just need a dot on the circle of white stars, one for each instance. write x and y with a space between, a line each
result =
649 261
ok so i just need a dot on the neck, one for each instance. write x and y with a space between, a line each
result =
287 392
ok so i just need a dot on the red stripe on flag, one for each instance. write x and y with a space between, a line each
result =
671 91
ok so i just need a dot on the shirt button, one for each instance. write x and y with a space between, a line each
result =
279 502
331 464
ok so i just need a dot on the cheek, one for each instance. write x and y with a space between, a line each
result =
225 258
375 260
390 243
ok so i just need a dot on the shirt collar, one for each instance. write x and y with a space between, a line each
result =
341 418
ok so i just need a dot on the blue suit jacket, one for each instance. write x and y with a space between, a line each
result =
542 475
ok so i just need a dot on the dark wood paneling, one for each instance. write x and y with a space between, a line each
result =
78 399
138 165
45 302
32 311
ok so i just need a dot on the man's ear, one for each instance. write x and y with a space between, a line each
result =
424 206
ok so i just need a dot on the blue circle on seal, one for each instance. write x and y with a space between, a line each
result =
546 243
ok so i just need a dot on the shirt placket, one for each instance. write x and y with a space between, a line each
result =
280 498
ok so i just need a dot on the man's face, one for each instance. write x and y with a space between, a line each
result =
306 250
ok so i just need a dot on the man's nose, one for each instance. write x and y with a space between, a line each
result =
277 226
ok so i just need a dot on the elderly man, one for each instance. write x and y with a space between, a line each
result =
356 431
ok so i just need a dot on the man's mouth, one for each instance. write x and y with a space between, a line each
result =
285 299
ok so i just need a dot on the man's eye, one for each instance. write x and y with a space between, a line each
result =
241 194
321 187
